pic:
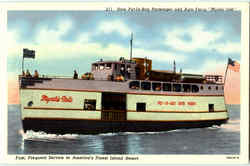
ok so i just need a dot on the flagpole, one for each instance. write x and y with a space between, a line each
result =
225 76
22 64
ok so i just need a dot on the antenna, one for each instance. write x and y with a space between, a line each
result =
131 43
174 67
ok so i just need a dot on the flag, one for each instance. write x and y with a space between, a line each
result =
28 53
233 65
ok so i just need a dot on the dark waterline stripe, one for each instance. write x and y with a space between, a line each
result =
29 118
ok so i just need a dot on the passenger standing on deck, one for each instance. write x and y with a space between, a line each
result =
28 73
23 74
75 75
36 75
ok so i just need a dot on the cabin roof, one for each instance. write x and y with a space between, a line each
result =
95 85
104 62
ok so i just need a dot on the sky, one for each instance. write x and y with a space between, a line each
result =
64 41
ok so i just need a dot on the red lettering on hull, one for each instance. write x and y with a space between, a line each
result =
172 103
180 103
57 99
191 103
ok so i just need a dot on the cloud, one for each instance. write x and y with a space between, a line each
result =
49 35
12 38
228 48
83 37
108 27
159 55
198 38
45 38
49 44
211 66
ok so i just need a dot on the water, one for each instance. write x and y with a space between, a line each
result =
213 140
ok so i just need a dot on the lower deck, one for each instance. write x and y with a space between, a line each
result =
95 112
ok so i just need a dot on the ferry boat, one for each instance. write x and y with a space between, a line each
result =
120 96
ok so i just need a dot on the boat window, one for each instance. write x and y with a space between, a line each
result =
89 104
167 87
177 87
146 86
128 68
140 107
216 87
30 103
115 66
209 88
156 86
122 69
186 88
95 67
108 66
222 87
101 67
134 85
201 88
211 107
195 88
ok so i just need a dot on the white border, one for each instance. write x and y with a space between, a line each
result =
3 83
144 159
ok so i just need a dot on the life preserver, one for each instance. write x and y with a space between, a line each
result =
88 76
119 78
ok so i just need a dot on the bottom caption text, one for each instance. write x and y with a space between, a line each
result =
72 157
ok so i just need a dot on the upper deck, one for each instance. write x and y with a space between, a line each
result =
130 76
141 69
128 86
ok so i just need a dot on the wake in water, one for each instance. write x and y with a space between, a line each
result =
42 136
232 125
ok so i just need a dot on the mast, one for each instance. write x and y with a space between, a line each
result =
174 67
131 43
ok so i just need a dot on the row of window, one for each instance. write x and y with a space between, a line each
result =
157 86
109 66
102 66
140 107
